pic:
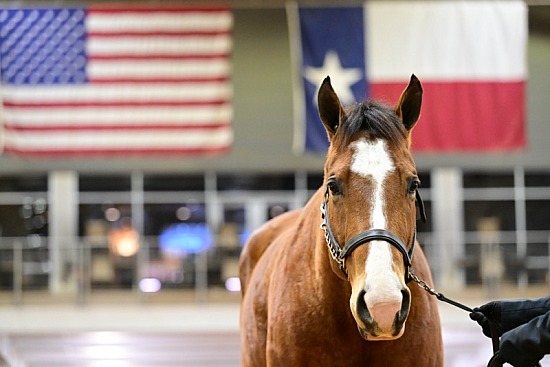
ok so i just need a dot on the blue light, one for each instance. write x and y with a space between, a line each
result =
185 238
244 236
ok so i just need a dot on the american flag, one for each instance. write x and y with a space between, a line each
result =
103 81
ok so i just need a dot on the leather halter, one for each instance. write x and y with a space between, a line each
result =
339 253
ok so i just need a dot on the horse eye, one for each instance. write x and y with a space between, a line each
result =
334 187
413 185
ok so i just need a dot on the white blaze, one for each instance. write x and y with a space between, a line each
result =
371 159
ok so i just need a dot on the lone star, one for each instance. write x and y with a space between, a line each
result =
342 79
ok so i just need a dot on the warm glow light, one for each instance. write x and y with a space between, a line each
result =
124 241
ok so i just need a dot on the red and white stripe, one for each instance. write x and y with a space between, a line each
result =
471 59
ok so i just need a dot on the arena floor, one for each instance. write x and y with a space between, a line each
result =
124 349
118 334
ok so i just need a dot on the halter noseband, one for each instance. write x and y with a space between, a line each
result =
339 254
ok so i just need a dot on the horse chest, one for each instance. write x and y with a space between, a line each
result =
307 325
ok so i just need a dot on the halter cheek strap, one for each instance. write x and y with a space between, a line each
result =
339 254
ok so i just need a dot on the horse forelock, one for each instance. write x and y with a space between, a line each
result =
373 118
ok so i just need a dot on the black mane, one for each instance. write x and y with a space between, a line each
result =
378 120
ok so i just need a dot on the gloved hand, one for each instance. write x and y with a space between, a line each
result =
489 311
498 361
495 361
514 348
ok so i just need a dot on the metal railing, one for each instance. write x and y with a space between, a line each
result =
39 265
76 272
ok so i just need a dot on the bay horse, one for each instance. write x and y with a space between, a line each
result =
339 295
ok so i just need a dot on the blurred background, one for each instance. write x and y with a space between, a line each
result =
143 242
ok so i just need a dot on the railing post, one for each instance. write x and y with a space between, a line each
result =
138 217
521 223
62 227
448 219
18 272
201 277
83 268
142 261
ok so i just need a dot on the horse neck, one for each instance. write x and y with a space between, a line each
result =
332 286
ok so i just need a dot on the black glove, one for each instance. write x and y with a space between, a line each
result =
489 311
495 361
498 361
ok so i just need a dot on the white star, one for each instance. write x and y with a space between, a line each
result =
340 78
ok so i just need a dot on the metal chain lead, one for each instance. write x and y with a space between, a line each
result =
440 296
334 249
422 284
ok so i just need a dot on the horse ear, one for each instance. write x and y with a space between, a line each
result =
330 108
410 102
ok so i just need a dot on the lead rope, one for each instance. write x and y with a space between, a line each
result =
494 362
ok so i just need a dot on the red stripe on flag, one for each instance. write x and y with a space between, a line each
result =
112 103
87 153
465 116
67 127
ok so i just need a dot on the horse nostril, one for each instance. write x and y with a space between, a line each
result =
362 309
405 305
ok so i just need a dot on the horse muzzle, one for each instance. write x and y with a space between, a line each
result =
384 320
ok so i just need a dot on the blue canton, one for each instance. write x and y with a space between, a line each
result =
42 46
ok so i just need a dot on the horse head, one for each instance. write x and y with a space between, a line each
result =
369 206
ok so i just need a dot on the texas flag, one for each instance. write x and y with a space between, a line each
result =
469 55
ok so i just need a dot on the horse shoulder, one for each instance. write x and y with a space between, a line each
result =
259 241
257 261
424 325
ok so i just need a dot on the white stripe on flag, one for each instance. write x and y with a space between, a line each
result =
118 139
151 45
453 40
169 21
129 116
118 92
143 69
